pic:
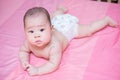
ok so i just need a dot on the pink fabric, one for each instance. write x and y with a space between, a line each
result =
93 58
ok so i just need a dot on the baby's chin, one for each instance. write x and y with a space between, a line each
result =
40 45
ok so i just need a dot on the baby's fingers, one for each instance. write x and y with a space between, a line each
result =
32 71
29 70
26 67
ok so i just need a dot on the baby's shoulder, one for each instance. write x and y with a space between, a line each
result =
55 48
55 43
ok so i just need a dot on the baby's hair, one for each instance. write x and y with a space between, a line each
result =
36 11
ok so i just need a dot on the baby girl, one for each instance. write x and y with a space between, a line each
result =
48 37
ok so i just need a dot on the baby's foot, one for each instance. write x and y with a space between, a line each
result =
64 9
111 22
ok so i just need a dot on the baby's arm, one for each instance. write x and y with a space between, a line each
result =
87 30
24 56
50 66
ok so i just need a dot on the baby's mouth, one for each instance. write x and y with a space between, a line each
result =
38 41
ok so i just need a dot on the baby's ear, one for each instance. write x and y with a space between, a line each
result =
51 26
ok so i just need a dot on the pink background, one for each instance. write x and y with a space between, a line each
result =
93 58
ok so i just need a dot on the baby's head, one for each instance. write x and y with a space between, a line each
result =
38 28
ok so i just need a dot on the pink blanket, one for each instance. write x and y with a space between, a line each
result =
93 58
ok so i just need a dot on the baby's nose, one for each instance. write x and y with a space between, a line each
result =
36 36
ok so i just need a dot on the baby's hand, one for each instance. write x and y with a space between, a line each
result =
25 65
32 70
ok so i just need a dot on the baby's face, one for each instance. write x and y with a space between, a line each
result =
38 30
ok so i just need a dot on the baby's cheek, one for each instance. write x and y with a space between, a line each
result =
48 38
30 38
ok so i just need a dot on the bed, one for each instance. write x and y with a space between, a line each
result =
92 58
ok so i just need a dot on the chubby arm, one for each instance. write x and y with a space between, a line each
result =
51 65
88 30
24 56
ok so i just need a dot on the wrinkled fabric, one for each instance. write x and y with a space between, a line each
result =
92 58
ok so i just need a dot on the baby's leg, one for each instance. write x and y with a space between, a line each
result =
59 10
100 24
87 30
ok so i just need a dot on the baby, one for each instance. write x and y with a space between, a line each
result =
48 38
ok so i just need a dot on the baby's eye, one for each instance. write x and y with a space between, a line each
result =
42 30
31 31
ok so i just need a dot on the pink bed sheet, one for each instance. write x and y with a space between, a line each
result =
93 58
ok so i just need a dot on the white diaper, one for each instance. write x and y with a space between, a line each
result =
66 24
